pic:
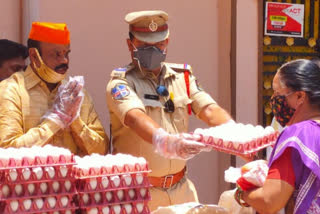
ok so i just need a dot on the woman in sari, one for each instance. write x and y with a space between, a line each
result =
294 166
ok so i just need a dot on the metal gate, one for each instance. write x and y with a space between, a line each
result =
278 50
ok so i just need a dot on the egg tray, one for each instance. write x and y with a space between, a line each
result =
5 173
91 198
101 209
6 205
245 149
114 170
83 183
37 161
62 189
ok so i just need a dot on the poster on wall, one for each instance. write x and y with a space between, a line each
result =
284 19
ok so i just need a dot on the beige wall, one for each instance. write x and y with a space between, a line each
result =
247 54
10 20
200 36
247 61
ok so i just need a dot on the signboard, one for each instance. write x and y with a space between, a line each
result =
284 19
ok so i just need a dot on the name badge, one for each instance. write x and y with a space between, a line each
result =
151 97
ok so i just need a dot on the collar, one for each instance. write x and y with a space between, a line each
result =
166 72
31 79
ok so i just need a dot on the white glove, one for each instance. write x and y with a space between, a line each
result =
176 146
66 107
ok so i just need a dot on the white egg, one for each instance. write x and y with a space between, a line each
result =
50 171
97 197
128 208
116 180
38 172
139 207
27 204
127 178
85 198
268 130
55 186
14 205
43 187
109 196
120 194
26 173
63 171
18 189
116 209
13 174
5 190
93 211
105 210
143 192
93 183
139 178
131 193
39 203
64 201
31 188
67 185
105 182
52 202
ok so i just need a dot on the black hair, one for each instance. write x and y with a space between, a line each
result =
302 75
34 44
10 50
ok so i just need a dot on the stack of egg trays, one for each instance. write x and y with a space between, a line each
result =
52 191
248 148
102 191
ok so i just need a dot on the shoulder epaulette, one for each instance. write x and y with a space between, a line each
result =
179 67
121 72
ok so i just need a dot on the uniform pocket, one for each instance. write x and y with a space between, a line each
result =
180 114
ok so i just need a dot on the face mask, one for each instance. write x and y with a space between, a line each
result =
47 74
149 57
281 109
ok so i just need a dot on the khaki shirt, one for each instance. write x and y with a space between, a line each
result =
25 99
124 139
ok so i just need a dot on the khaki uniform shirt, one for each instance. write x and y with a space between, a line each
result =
137 86
25 99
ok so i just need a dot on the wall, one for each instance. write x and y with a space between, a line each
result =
247 61
10 20
200 36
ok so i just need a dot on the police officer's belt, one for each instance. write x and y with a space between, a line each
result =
168 180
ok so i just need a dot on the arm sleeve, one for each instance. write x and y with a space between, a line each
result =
11 121
200 98
282 169
87 129
120 105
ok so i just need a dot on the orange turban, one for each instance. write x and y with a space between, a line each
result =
57 33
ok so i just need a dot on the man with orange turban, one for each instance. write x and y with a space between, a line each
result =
39 107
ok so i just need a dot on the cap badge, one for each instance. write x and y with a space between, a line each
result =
153 26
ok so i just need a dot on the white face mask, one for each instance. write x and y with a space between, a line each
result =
47 74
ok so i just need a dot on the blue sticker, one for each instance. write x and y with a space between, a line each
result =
119 92
121 69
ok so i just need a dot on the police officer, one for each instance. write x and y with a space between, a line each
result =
150 102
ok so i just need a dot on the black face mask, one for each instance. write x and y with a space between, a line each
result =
149 57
